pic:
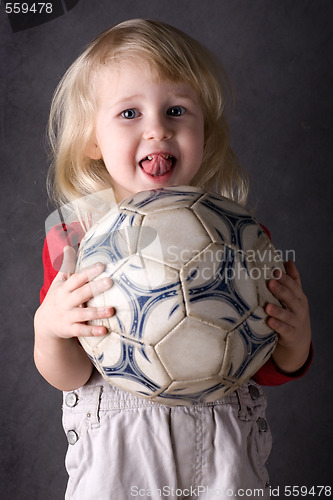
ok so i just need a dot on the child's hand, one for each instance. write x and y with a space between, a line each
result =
62 313
291 322
61 317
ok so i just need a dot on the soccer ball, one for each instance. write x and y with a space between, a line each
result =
189 272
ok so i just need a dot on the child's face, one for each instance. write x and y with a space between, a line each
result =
149 132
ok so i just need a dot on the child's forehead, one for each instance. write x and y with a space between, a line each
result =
130 73
116 69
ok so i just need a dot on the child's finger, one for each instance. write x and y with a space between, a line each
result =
291 278
84 276
292 271
83 314
283 329
89 290
84 330
281 314
282 292
285 282
69 262
67 268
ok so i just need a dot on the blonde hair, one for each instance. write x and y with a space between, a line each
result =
173 55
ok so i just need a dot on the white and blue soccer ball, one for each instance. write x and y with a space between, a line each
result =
189 272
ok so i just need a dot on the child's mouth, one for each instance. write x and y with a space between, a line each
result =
157 164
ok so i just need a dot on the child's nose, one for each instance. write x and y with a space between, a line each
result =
157 129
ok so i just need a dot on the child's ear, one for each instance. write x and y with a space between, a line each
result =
93 151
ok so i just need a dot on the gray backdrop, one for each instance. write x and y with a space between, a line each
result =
278 55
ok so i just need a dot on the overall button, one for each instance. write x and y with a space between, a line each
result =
71 399
72 437
254 392
262 424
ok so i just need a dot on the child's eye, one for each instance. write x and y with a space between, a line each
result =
176 111
129 114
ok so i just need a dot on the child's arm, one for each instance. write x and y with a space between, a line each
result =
291 322
61 317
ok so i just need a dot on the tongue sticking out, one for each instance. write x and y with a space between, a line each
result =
157 166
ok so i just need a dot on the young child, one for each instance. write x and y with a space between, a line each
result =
144 107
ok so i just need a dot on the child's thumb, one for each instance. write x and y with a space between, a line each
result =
69 261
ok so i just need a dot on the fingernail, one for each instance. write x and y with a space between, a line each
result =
277 273
97 331
108 311
107 283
